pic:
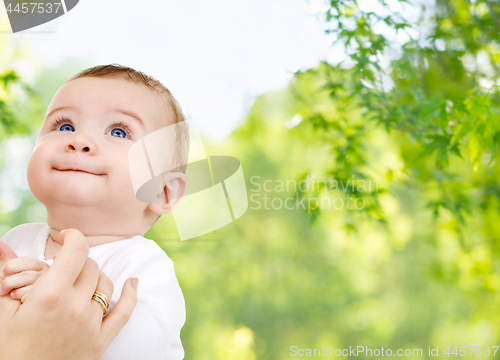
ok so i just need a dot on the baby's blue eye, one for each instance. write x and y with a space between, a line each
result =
66 127
118 132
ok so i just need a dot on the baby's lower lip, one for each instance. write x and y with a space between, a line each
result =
74 170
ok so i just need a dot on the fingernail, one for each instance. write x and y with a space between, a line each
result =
135 283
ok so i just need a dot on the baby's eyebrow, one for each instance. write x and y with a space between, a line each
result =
62 108
131 114
122 111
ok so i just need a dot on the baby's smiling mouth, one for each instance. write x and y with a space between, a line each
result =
78 170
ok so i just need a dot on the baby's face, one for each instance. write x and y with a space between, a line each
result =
81 153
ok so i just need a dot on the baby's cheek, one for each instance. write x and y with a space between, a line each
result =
34 165
127 187
32 171
37 173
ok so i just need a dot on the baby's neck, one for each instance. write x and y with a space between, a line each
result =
51 249
54 243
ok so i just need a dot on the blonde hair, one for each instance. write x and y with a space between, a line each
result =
138 77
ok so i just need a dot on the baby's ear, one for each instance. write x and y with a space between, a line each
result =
174 188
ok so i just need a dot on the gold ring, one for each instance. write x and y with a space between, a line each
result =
102 300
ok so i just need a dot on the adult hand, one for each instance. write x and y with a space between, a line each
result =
57 319
6 254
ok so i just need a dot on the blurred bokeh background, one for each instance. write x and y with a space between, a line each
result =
386 113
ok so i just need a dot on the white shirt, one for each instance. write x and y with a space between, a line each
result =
153 331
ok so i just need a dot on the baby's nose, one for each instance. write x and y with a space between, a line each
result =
79 143
85 149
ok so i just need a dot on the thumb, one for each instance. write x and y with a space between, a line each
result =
114 322
7 304
6 253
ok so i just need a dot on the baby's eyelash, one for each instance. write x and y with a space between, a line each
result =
124 127
119 124
59 122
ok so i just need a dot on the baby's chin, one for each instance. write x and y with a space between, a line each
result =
71 195
76 201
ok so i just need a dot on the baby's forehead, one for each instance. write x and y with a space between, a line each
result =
116 92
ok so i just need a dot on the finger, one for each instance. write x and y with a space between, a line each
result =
9 307
114 322
105 286
70 259
19 294
7 304
18 281
86 283
23 298
18 265
6 253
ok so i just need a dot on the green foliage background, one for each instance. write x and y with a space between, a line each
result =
414 109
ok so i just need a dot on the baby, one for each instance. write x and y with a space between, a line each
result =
79 170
